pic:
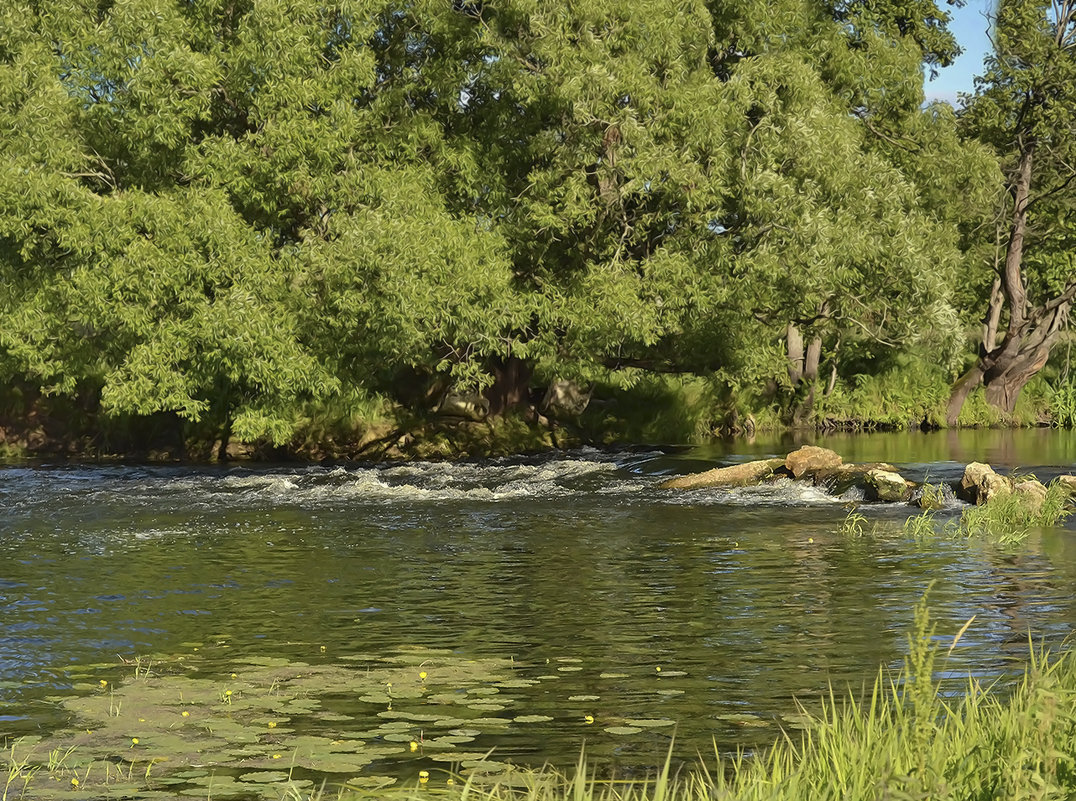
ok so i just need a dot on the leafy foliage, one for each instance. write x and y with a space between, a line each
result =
233 212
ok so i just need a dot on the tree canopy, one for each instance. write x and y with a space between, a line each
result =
228 210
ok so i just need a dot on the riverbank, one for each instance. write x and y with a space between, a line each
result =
665 411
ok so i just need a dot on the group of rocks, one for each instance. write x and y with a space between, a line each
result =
879 481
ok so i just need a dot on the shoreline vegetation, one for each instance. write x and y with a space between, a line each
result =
918 732
657 411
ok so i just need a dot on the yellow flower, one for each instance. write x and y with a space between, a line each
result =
185 713
229 692
234 676
422 675
423 776
323 649
134 741
588 719
414 746
103 683
272 724
74 782
450 781
276 756
658 668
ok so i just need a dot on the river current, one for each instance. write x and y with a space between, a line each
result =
714 611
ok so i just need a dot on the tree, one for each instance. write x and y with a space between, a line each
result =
1025 108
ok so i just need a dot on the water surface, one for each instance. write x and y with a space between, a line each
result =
715 609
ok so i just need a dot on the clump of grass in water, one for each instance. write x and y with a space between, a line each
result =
1009 518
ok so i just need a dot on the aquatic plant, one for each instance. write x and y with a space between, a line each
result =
852 525
1009 518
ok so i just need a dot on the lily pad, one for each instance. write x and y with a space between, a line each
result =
532 719
623 730
649 723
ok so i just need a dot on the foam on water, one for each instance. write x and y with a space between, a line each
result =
626 478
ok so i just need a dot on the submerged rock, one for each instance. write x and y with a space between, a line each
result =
811 459
980 484
737 475
887 485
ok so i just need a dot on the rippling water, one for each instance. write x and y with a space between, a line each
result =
575 566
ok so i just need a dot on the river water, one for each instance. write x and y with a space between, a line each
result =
714 611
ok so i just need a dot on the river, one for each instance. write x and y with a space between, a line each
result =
708 613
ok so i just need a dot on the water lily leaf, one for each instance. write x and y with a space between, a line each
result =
460 756
369 782
613 676
483 691
569 659
583 697
532 719
623 730
485 707
672 673
670 692
650 722
264 776
744 719
514 684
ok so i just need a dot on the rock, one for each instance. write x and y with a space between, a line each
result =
565 399
840 479
888 486
810 459
1033 494
980 483
468 405
738 475
1068 482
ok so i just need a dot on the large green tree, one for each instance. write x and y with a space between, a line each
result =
1025 108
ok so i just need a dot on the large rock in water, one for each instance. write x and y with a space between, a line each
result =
887 485
738 475
980 483
1033 494
809 459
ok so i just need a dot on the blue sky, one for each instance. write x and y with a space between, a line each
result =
970 26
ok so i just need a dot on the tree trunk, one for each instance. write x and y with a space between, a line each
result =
961 389
511 385
794 346
802 371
